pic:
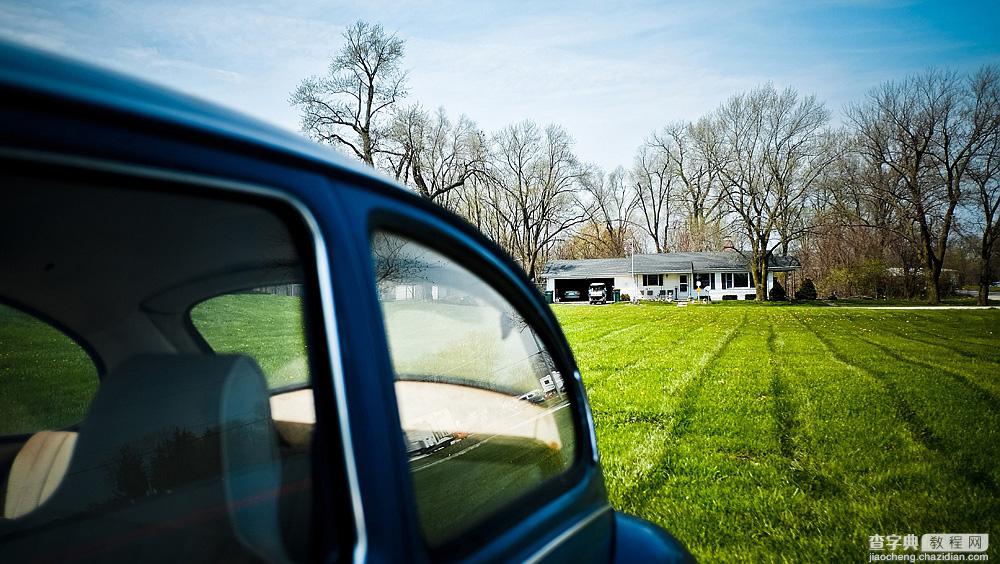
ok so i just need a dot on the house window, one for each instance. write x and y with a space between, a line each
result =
705 279
652 279
684 283
736 280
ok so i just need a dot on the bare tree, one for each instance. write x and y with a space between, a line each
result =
434 154
611 205
534 180
856 233
654 180
928 129
768 150
984 174
685 146
346 107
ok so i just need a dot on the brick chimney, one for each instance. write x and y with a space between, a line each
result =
727 244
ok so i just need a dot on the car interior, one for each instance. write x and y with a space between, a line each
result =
175 434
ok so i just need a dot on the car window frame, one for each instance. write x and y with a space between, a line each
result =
487 263
332 460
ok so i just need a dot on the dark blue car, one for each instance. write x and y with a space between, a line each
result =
221 342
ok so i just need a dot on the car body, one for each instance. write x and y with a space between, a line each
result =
534 396
597 292
141 228
571 295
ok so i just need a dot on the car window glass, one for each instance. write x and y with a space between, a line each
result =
265 323
47 379
483 407
181 453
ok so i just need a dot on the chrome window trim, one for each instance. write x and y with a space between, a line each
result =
562 537
360 550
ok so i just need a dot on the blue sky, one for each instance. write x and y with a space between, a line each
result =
609 73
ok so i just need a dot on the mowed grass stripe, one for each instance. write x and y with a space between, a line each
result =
583 331
688 389
975 329
921 341
965 374
925 336
637 405
858 463
640 353
943 414
727 444
636 421
980 372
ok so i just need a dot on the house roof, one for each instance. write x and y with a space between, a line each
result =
661 263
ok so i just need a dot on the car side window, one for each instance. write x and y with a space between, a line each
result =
484 411
181 453
47 379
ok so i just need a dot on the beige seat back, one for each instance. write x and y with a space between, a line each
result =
37 471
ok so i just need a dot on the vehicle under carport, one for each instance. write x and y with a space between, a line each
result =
563 285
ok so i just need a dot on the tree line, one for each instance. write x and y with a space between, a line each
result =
878 204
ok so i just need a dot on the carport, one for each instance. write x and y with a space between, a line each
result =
562 285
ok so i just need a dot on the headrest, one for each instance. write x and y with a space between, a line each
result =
176 459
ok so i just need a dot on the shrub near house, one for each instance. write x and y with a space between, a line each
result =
806 291
777 293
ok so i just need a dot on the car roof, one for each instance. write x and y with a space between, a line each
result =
36 71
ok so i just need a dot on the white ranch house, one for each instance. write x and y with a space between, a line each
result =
665 276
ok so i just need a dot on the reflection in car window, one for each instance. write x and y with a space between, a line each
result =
264 323
484 412
47 379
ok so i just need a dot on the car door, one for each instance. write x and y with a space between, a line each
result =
491 447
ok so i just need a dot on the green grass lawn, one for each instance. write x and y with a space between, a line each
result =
859 302
794 433
876 302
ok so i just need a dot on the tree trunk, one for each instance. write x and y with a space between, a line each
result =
932 268
761 268
366 148
532 266
985 273
931 282
759 274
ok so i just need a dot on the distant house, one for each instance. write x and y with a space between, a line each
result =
721 275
